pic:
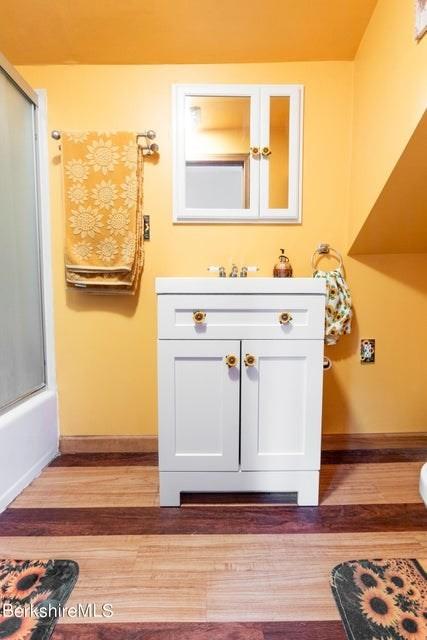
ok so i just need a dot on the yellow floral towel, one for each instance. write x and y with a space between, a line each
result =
338 305
103 208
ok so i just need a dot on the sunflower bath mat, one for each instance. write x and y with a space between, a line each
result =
382 599
32 594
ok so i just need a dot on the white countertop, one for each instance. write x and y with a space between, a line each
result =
251 284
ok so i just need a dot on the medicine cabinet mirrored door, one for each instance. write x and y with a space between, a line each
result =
237 153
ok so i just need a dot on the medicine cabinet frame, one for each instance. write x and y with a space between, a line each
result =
257 186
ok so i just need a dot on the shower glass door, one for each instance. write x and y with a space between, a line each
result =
22 351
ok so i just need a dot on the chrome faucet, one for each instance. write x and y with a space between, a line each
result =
234 273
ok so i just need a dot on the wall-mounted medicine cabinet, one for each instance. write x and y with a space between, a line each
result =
237 153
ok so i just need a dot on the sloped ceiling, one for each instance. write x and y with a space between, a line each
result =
181 31
398 220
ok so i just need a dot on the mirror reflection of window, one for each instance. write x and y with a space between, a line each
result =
217 141
279 158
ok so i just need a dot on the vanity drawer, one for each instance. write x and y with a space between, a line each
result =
241 316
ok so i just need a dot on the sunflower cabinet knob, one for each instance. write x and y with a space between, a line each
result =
255 151
199 317
230 360
285 317
266 151
250 360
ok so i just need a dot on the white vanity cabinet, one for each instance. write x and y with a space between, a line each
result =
240 368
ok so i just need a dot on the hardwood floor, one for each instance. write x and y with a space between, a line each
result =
137 486
206 631
351 456
221 520
221 567
108 459
378 441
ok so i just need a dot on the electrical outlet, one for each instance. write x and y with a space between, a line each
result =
147 227
367 351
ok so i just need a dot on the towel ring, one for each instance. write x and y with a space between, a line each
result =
326 249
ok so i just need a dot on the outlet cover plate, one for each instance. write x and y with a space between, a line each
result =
367 351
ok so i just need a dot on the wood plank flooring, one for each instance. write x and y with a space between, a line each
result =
221 567
219 520
72 486
377 441
332 630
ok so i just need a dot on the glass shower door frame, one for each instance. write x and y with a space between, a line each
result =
33 98
29 430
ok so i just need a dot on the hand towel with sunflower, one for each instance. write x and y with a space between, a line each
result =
103 208
338 312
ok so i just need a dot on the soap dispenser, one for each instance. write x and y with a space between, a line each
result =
283 269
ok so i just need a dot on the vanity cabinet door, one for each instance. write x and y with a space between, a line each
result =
281 404
198 405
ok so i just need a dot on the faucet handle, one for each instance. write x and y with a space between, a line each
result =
244 271
217 269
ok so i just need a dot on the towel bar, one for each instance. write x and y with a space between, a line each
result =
151 148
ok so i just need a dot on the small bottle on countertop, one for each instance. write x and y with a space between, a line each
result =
283 269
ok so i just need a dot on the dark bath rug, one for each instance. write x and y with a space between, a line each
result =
33 590
382 599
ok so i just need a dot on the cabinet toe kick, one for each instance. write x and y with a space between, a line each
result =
304 483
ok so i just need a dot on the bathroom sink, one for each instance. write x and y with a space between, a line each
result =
251 284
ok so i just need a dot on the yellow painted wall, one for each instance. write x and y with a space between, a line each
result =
390 89
106 349
390 97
